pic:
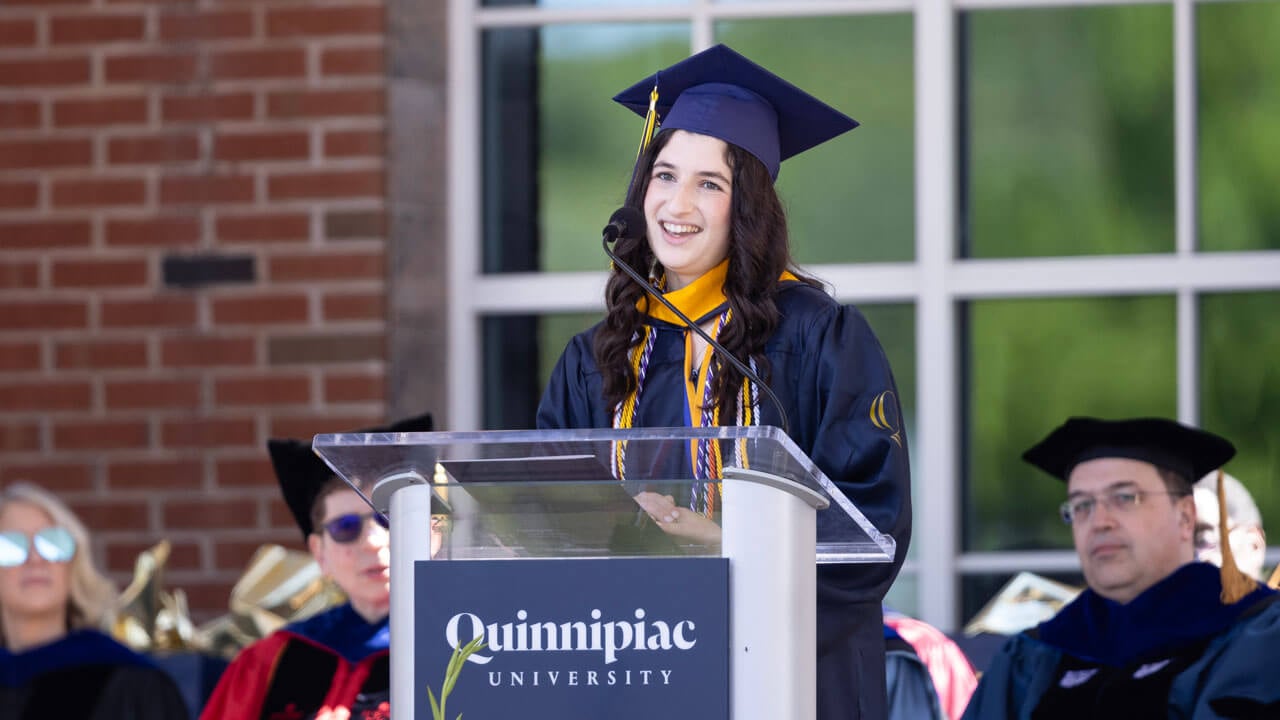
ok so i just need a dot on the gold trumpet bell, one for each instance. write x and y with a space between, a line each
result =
143 604
279 586
1024 602
174 629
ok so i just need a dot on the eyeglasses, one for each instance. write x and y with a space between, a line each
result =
1206 537
350 527
54 544
1080 508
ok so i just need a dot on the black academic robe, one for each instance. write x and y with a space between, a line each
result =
831 376
334 666
85 676
1174 651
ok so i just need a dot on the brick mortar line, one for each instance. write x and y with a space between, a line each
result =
219 169
195 89
134 375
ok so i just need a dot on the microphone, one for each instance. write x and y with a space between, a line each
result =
629 222
626 221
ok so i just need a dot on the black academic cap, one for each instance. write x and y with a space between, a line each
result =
1188 451
720 93
301 473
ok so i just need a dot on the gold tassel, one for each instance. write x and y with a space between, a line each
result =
650 120
650 123
1235 584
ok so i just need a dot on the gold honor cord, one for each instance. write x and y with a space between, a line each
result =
626 410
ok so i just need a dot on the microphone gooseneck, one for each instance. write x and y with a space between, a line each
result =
627 221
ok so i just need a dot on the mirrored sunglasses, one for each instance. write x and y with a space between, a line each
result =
54 544
349 528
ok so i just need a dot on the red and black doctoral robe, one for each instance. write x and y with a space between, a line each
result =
331 667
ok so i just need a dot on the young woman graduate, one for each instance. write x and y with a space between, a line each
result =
333 665
715 243
54 662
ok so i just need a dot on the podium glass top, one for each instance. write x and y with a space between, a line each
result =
557 493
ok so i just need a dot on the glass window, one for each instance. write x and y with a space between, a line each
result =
558 152
1237 62
1068 116
852 199
903 596
1031 364
1240 388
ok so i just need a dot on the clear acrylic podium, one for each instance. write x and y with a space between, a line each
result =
568 494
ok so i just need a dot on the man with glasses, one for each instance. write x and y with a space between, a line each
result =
1244 524
333 665
1155 634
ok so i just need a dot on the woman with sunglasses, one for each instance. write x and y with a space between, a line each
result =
335 662
54 661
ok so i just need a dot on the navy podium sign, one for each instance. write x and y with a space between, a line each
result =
623 639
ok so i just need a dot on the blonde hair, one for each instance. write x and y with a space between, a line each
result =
92 595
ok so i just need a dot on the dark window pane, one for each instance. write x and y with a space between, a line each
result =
1238 60
1240 389
852 199
519 353
1031 364
511 386
510 144
1069 115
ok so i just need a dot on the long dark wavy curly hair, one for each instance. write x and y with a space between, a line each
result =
759 251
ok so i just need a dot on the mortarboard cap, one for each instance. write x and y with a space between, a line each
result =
720 93
302 474
1189 451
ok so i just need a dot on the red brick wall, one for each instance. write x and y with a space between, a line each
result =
137 133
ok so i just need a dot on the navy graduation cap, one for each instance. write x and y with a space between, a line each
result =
1188 451
720 93
302 474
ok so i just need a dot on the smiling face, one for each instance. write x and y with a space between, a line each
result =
37 589
687 206
1125 551
362 568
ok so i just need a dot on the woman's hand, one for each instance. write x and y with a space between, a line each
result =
679 521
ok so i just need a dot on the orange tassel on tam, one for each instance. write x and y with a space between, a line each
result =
1235 584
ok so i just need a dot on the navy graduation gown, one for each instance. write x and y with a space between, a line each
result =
828 370
85 675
